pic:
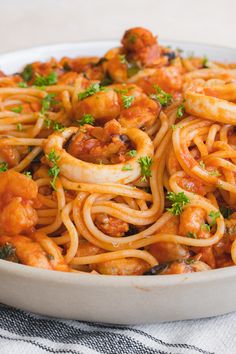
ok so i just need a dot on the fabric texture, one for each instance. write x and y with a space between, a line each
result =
26 333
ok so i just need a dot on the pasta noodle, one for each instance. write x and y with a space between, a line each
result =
119 165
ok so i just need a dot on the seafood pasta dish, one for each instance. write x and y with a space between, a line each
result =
123 164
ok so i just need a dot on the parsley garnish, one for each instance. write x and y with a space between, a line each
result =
17 109
48 80
127 167
179 200
206 227
132 69
127 100
132 38
58 127
27 174
145 163
8 253
19 127
91 90
161 96
214 216
47 102
122 59
132 153
174 126
214 173
3 166
202 164
27 73
86 119
191 235
22 84
54 170
205 62
180 111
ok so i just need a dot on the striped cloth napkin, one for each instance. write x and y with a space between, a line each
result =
25 333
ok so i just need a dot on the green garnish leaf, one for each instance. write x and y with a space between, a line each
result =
3 166
180 111
206 227
8 253
54 171
205 62
47 102
27 174
214 173
191 235
132 153
145 163
17 109
132 69
90 91
122 59
127 167
202 164
86 119
19 127
48 80
27 73
161 96
214 216
22 84
178 200
127 100
58 127
132 38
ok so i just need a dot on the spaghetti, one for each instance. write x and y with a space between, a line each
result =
120 165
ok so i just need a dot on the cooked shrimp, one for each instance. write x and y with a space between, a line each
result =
168 251
17 197
28 251
191 220
125 266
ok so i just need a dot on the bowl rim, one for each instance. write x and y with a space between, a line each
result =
50 276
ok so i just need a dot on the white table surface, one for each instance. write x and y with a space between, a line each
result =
26 23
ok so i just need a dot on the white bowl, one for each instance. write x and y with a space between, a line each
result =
121 300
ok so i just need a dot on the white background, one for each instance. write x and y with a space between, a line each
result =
26 23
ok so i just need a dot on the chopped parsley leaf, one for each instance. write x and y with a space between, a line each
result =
191 235
202 164
27 174
22 84
214 216
47 102
206 227
127 167
161 96
180 111
27 73
122 59
48 80
132 38
19 127
145 163
3 166
8 253
90 91
127 100
179 200
54 171
205 62
86 119
132 153
17 109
